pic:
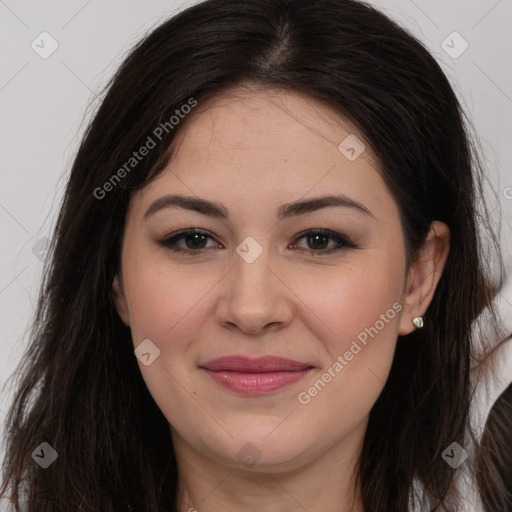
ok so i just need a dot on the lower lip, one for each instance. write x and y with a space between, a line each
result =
256 383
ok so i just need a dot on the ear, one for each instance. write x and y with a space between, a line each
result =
120 300
424 275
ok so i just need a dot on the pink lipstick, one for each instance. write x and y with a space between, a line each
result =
255 376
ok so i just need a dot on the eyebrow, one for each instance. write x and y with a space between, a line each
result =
219 211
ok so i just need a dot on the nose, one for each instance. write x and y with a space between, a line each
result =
255 297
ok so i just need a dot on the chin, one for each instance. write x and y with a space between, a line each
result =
260 452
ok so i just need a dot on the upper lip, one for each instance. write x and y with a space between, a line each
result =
246 364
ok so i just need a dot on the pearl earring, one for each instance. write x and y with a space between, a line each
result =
418 321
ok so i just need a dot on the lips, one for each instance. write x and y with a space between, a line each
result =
255 375
254 365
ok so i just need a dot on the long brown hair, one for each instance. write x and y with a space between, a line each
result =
80 389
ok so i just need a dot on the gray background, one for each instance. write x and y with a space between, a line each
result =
43 105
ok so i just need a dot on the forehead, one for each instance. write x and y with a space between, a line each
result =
258 146
271 122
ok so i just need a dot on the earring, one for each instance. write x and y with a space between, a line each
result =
418 321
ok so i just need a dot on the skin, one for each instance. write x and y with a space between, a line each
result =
253 150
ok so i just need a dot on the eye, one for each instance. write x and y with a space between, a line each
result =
319 239
195 241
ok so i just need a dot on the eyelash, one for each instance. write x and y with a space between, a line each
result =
342 241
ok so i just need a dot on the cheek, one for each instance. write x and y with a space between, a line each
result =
356 313
164 305
352 299
167 307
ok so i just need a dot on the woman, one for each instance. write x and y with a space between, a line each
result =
260 369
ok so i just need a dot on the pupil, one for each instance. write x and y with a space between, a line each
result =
195 239
315 237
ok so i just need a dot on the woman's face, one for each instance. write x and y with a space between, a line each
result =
252 288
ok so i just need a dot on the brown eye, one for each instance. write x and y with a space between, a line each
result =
195 241
318 241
